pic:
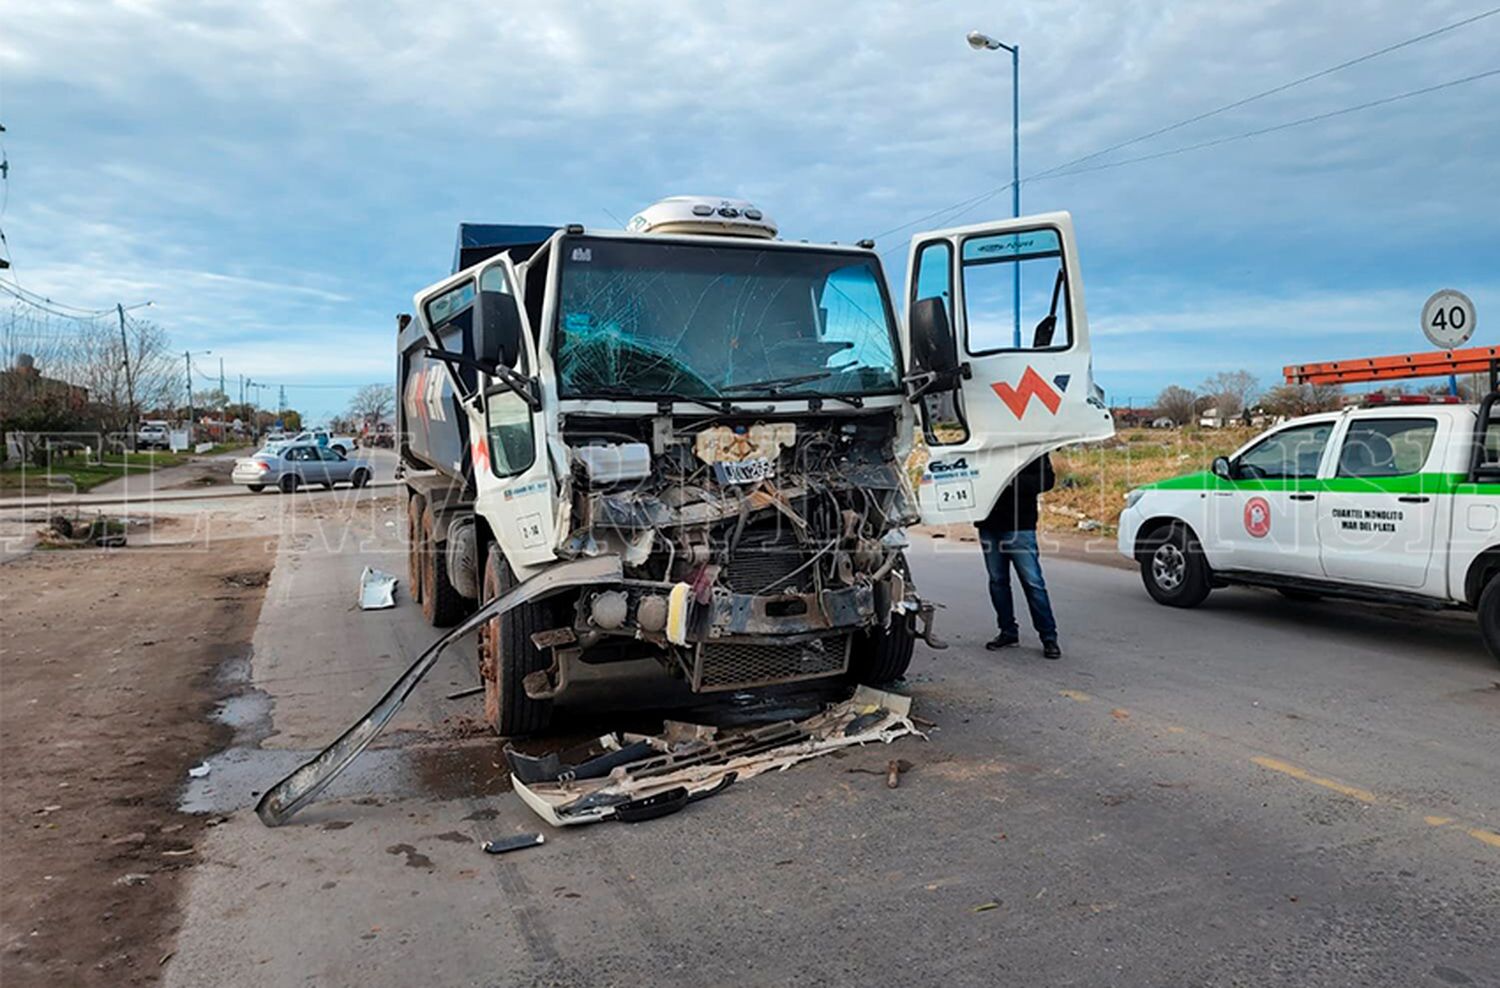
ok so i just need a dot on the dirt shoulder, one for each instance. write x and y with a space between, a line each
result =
109 667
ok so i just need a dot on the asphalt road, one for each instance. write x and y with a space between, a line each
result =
1253 793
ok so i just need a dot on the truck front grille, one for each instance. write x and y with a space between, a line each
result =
737 665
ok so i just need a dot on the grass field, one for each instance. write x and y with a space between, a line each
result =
1092 480
75 473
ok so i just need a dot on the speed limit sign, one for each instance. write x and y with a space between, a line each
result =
1448 319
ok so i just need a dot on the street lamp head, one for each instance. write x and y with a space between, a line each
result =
979 41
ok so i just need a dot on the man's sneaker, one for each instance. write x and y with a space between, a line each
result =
1050 650
1002 640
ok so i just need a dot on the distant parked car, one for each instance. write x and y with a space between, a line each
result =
344 444
295 464
153 435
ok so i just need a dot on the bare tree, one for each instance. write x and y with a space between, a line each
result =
1231 392
1177 403
97 362
1291 400
372 404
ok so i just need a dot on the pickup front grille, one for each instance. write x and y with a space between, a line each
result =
739 665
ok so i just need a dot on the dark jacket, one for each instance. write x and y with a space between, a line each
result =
1016 509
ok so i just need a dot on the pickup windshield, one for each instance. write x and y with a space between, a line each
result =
658 320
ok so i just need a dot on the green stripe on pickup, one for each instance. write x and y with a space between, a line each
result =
1414 483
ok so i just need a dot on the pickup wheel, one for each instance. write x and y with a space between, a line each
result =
414 508
1489 616
507 654
1173 568
442 605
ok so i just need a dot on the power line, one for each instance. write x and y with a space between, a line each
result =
1275 89
966 204
1052 174
1282 126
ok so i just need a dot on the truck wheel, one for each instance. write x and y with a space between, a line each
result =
441 604
881 655
1173 567
506 655
1489 616
339 448
288 483
414 507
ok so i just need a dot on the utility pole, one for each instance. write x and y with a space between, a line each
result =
221 381
281 403
129 378
187 355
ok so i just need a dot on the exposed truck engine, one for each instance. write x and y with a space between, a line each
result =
730 425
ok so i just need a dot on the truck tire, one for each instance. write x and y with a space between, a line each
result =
1173 567
881 655
414 507
506 655
1489 616
441 604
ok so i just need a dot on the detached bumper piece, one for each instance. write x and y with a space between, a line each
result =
687 762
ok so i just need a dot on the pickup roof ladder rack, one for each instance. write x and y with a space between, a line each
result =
1436 363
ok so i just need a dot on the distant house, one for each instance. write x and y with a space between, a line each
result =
23 385
1132 418
1210 418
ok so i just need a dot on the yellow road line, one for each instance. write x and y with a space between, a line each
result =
1489 837
1286 768
1366 796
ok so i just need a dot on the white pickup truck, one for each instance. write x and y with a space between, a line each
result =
1396 502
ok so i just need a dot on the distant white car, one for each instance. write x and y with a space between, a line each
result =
322 437
153 435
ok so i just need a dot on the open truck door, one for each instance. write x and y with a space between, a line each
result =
998 357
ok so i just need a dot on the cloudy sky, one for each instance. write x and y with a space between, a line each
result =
281 177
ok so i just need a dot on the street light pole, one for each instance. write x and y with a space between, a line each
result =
980 41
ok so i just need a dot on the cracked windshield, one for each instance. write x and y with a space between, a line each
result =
658 320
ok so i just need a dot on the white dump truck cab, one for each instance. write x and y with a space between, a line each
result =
708 442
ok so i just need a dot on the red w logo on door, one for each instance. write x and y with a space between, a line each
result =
1032 385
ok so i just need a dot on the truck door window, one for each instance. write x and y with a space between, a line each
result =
998 270
1289 454
942 412
1386 447
512 444
494 283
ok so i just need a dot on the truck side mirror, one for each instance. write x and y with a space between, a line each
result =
1223 468
932 344
500 329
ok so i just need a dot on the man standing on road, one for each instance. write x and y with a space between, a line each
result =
1008 537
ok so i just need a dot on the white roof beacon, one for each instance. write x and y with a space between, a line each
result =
704 215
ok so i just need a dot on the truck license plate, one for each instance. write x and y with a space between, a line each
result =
743 471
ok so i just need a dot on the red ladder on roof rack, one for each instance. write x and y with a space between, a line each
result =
1436 363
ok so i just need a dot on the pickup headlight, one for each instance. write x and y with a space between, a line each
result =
1132 498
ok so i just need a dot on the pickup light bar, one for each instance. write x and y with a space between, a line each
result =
1381 398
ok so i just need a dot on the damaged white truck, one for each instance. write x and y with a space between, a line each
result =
726 416
693 442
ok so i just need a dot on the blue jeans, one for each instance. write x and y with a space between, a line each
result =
1002 550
